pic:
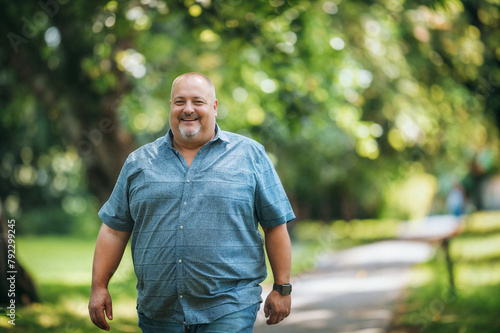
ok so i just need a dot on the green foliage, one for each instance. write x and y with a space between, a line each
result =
349 97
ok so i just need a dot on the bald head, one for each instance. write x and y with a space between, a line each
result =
193 74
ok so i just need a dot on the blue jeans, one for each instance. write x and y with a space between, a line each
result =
240 321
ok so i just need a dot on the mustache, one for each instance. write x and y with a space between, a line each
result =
188 115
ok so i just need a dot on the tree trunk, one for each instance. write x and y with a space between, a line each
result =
15 282
102 143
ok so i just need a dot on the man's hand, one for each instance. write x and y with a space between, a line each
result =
277 307
100 302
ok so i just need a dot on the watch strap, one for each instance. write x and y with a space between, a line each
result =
283 289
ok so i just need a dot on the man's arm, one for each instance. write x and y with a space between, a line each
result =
108 253
279 252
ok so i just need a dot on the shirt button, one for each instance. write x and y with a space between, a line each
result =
181 227
180 260
181 296
187 180
185 203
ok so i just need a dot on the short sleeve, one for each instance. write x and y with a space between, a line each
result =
115 213
271 203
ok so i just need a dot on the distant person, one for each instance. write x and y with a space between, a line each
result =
472 183
192 201
455 202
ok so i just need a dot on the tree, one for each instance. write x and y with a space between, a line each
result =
349 98
16 287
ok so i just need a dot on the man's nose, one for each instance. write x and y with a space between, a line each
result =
188 107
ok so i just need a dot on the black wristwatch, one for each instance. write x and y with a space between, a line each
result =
283 289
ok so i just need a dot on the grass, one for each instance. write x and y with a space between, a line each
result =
429 306
61 267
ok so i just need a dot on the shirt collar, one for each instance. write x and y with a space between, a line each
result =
219 134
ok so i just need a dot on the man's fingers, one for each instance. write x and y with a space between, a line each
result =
275 318
99 308
267 309
109 309
103 324
97 317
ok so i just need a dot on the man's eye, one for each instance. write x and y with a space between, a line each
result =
179 102
199 102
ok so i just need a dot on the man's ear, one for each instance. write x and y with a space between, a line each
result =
216 104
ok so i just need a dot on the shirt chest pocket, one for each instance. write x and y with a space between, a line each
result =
231 192
151 195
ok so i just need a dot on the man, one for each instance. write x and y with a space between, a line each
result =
192 201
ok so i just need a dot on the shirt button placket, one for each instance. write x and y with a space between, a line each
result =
186 190
180 260
185 199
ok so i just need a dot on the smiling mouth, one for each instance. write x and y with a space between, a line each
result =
188 117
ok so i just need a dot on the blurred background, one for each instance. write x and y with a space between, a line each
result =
373 112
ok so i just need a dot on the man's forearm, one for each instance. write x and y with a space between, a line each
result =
109 250
279 252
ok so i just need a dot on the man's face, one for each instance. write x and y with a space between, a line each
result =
193 110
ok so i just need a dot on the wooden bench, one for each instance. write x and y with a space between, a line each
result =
437 230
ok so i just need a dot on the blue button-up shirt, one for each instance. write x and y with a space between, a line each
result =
197 251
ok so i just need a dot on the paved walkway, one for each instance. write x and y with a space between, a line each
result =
355 290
